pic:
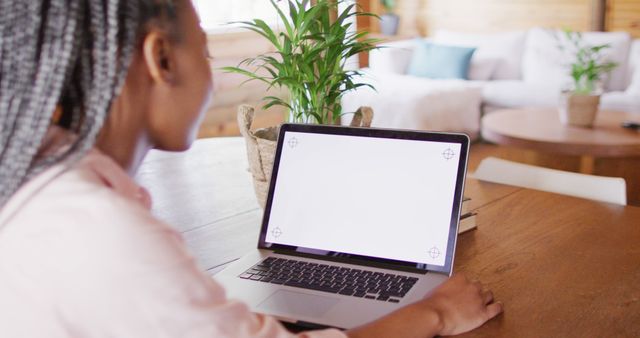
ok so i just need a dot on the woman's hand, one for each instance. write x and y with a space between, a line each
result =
462 305
459 305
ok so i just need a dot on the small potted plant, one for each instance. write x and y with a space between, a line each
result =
579 105
389 21
309 62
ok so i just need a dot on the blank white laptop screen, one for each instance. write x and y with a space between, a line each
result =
376 197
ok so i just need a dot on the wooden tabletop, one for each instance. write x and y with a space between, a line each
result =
564 267
541 130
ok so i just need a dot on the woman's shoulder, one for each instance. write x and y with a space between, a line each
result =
82 240
87 214
93 191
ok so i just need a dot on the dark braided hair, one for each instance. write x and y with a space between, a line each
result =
72 53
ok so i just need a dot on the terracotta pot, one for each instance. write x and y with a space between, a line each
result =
261 146
578 110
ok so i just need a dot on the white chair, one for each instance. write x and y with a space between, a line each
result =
599 188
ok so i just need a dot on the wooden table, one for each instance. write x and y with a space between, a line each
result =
564 267
540 129
607 149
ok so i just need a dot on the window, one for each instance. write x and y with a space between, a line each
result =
216 15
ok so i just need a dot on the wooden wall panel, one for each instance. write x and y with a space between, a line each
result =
624 15
426 16
228 50
365 23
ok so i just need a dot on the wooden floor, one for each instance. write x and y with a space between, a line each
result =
614 167
479 151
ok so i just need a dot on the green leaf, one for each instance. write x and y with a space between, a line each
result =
268 32
283 17
589 65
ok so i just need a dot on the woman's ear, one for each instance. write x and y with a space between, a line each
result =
159 57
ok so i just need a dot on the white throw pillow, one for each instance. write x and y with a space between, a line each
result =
392 57
544 63
498 56
481 68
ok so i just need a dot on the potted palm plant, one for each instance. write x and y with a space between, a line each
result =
389 21
309 62
579 106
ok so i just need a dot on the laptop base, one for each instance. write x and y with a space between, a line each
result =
315 308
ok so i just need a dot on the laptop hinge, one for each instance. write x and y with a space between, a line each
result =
300 326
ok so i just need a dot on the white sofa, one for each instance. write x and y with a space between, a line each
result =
508 70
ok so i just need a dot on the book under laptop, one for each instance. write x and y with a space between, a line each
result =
358 223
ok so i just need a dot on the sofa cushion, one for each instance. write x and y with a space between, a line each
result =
409 102
501 50
513 94
634 69
544 62
620 101
392 57
482 69
437 61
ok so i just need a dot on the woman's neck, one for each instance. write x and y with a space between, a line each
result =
123 137
129 157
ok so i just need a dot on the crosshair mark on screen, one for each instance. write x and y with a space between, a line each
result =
277 232
434 252
448 154
293 142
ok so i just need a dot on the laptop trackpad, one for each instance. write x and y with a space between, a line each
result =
286 302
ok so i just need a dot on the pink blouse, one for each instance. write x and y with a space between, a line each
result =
82 256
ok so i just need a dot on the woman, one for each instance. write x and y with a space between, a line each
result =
87 87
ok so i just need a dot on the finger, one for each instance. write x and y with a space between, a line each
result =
487 296
494 309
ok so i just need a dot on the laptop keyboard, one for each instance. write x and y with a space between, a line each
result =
332 279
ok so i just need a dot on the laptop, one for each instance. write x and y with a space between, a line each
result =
358 223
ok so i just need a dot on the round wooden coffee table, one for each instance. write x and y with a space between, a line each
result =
541 130
607 149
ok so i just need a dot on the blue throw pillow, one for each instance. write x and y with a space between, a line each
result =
440 61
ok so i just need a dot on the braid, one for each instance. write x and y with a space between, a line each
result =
57 51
